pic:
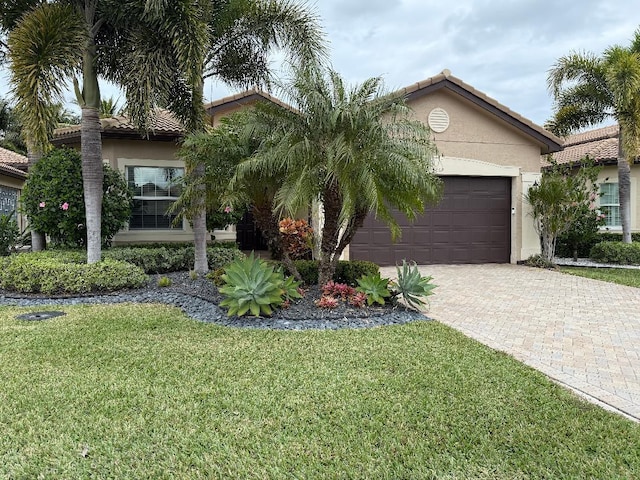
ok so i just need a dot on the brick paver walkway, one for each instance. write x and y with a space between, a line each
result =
581 332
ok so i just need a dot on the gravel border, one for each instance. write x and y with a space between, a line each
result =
585 262
199 300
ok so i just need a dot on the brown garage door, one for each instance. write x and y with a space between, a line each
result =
472 224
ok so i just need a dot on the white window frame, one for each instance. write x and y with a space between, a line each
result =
609 205
152 164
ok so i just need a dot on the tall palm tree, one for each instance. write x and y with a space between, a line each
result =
243 33
356 150
153 49
588 89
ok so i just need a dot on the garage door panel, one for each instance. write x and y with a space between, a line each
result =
472 224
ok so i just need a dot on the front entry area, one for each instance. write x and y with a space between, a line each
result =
472 224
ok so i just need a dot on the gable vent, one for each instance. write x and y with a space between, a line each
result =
438 120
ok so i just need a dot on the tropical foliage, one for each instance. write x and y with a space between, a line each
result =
53 201
253 286
375 288
132 44
589 89
355 149
412 286
561 200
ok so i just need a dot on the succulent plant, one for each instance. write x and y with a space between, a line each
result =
374 287
412 286
251 285
327 301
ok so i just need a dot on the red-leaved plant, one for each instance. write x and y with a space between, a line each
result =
327 301
341 290
297 238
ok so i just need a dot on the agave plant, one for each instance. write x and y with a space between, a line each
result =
374 287
412 286
252 285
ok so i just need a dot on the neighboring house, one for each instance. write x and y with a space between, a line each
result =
12 177
489 157
601 146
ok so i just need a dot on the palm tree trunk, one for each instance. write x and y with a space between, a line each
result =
91 150
92 180
38 239
199 225
330 234
624 191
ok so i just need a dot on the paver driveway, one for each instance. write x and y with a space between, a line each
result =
581 332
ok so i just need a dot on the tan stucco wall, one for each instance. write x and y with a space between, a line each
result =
477 143
609 174
475 133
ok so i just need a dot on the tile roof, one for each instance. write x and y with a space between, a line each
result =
164 123
9 157
12 171
242 98
600 144
446 79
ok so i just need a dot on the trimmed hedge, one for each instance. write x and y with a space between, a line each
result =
162 259
616 252
346 272
584 248
35 273
177 245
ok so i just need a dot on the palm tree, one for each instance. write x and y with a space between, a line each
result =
356 150
588 89
157 52
242 35
153 49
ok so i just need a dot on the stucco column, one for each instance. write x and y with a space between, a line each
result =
530 238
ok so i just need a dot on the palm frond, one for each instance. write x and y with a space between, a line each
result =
46 48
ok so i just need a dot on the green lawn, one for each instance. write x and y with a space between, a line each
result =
623 276
143 392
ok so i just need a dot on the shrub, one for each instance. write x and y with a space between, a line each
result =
538 261
297 238
616 252
252 285
216 276
347 271
9 234
53 201
35 273
412 286
374 287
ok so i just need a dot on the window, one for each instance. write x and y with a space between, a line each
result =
154 191
8 201
610 204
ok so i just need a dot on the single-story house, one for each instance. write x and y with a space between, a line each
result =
13 168
490 156
601 146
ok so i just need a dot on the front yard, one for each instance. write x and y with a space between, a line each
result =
621 276
140 391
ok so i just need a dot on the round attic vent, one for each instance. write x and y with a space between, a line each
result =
438 120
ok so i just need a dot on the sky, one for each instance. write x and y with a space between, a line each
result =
503 48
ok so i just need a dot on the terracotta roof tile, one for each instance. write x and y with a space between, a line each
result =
164 123
9 157
12 171
600 144
245 97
